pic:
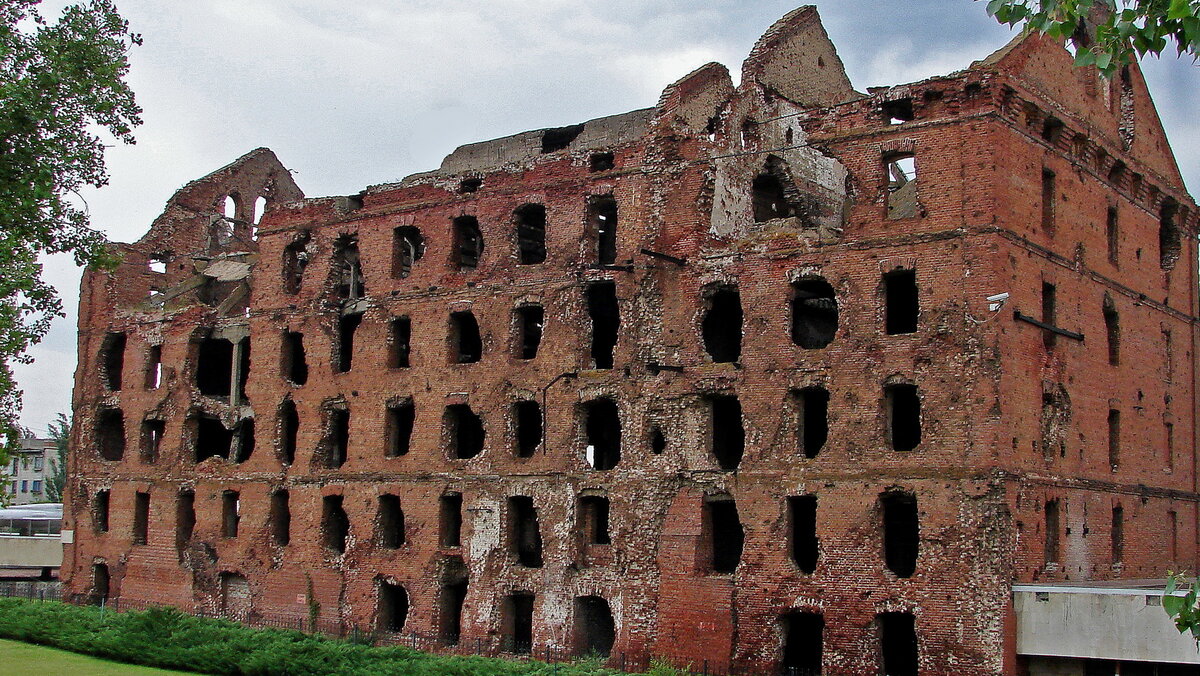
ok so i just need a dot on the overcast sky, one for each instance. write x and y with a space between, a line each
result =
359 92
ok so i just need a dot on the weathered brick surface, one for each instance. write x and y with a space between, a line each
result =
681 177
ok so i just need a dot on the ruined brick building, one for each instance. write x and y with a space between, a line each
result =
780 375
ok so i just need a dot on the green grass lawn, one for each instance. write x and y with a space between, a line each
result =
27 659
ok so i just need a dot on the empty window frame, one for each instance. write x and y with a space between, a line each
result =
803 642
606 322
464 432
1112 330
721 327
400 418
902 407
814 313
773 193
335 525
560 137
527 427
214 367
295 260
528 321
450 519
602 433
280 518
901 169
289 430
152 434
901 302
399 342
802 536
812 413
602 226
153 367
1168 234
1117 534
1049 201
1049 313
595 631
110 433
100 509
593 518
1114 438
727 436
408 246
293 364
531 233
243 440
901 532
524 534
470 185
185 517
1113 236
466 346
100 580
1052 129
1052 546
451 598
347 266
898 643
389 522
516 623
336 443
722 528
468 243
347 327
897 111
211 439
600 161
112 360
393 607
658 440
230 514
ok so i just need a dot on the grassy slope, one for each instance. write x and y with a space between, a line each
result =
24 659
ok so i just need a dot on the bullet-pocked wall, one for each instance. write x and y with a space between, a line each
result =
774 375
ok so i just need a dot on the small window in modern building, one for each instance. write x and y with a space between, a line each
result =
1049 200
721 327
390 522
528 321
185 518
408 246
1112 330
723 530
214 367
347 326
466 346
812 408
153 370
901 302
602 432
524 534
212 439
450 520
295 260
1117 534
898 643
230 514
606 322
243 440
289 429
393 607
593 518
1113 236
727 436
898 111
602 225
516 623
901 536
399 342
594 631
1168 234
110 433
802 518
400 418
464 432
347 266
281 518
803 641
1051 549
903 409
1114 438
600 162
814 313
468 243
336 444
335 525
902 182
112 360
531 233
152 434
527 427
1049 313
100 507
294 365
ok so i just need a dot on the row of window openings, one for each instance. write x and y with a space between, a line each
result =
722 534
1052 547
1108 309
24 462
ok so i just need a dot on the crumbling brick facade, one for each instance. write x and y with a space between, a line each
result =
775 375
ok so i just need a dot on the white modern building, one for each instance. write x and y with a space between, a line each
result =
28 470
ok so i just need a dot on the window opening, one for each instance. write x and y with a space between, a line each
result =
805 547
289 429
230 514
408 246
153 367
1169 433
531 234
110 433
725 535
468 242
158 263
525 538
803 639
658 441
901 186
1052 129
722 324
112 360
593 516
450 520
100 505
768 199
465 432
1117 534
600 162
214 367
1048 201
1114 438
235 596
347 326
185 518
399 342
595 631
390 522
470 185
900 532
1053 553
606 322
152 434
295 259
1168 235
281 518
727 435
903 405
335 525
451 599
602 429
337 437
813 405
295 363
527 419
100 580
244 440
229 207
602 223
1049 313
898 111
1112 329
901 302
466 344
212 439
241 375
400 418
529 322
559 138
393 607
1112 229
348 267
814 314
517 623
898 643
260 208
